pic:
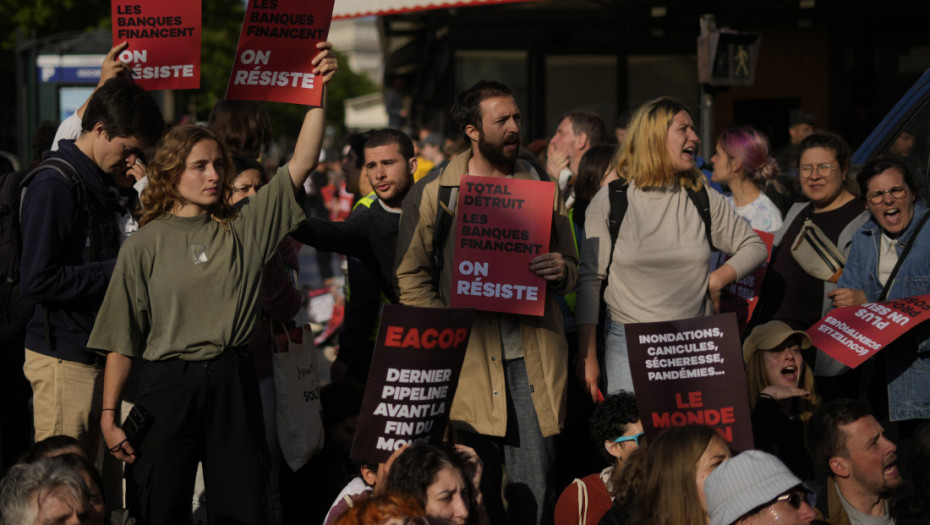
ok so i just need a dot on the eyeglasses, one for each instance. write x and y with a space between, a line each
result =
634 437
897 192
825 169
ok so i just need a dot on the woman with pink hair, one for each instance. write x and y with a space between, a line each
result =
742 162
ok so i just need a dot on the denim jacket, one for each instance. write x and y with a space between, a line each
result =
908 361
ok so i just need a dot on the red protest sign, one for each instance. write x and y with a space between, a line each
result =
276 46
501 225
742 296
164 41
855 333
690 372
412 380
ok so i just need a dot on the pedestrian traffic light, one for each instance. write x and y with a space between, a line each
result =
728 58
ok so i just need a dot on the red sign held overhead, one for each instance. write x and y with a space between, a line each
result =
164 41
276 46
501 225
855 333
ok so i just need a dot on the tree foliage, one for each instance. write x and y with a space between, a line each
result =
49 17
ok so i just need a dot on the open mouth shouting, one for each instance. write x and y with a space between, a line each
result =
791 374
690 153
890 471
891 202
682 142
511 144
893 219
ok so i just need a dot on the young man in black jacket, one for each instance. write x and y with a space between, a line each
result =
71 236
368 237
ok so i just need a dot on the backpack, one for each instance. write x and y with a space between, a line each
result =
619 203
15 311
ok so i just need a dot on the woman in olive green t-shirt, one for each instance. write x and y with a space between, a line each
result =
184 298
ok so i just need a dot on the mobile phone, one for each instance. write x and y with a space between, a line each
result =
137 425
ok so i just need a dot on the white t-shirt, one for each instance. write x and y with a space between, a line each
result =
761 214
69 128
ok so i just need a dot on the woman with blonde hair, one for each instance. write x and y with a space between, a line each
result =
781 393
676 465
658 267
183 300
742 162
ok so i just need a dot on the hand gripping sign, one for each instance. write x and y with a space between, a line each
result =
164 41
501 225
855 333
690 372
412 380
277 43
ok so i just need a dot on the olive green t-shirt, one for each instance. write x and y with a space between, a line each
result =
188 287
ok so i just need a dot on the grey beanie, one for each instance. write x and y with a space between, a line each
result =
744 482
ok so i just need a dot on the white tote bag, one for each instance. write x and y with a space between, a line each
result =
297 394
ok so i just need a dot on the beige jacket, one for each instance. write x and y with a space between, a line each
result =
480 403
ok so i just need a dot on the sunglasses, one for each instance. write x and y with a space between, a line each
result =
634 437
793 498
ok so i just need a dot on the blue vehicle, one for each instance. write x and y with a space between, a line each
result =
904 133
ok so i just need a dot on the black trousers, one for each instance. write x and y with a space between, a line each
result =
206 411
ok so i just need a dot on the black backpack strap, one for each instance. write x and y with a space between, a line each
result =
619 201
702 203
445 212
66 170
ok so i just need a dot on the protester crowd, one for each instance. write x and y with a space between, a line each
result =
163 287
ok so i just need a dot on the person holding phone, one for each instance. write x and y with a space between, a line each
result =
185 297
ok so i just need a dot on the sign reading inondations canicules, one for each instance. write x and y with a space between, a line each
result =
855 333
276 46
690 372
412 380
501 225
164 41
